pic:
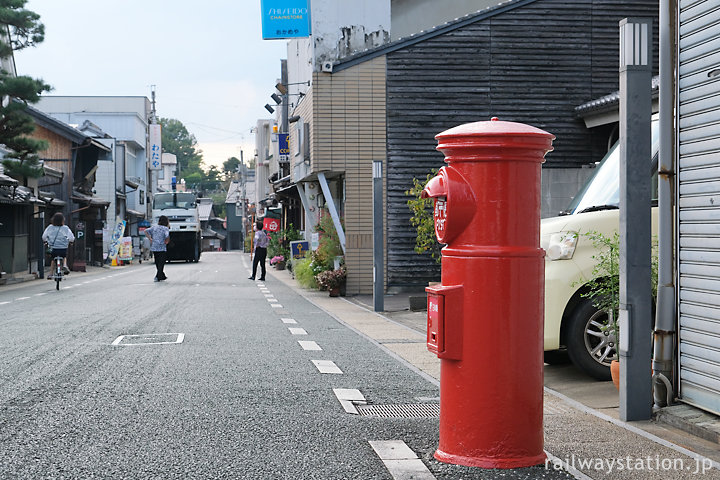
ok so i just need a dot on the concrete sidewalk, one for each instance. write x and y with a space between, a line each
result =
583 434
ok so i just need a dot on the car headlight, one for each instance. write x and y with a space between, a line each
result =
561 246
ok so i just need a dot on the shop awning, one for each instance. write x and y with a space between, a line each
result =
135 213
50 200
91 200
7 181
210 233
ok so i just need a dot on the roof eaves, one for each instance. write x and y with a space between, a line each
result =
360 57
56 126
610 102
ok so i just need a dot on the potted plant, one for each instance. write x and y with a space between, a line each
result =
603 289
278 261
331 280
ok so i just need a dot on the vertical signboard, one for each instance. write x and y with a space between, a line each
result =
285 19
155 153
283 148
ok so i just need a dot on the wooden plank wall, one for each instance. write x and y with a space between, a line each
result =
533 64
348 133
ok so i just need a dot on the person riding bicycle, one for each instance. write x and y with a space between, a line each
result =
58 236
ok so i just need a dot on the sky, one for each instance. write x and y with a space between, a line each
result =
207 60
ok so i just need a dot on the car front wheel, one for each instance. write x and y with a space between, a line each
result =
591 344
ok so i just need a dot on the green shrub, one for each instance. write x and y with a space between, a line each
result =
329 247
280 241
422 218
304 273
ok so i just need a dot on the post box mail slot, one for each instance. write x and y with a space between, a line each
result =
444 321
435 330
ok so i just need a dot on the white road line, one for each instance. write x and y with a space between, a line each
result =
276 305
261 285
284 320
4 303
40 294
348 397
309 345
400 461
269 295
272 300
297 331
179 339
327 366
22 298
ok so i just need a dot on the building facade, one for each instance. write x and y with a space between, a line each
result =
126 120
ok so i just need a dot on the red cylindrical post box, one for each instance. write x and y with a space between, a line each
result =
485 320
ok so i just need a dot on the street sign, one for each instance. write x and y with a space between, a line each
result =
298 248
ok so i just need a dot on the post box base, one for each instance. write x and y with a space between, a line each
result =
490 462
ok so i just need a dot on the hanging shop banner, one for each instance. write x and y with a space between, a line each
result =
285 19
271 224
155 134
283 148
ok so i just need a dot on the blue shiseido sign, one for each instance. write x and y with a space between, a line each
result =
285 19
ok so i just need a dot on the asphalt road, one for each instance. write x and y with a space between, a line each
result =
238 398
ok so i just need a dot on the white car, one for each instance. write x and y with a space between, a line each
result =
572 322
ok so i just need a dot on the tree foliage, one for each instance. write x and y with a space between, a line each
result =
230 166
16 93
177 140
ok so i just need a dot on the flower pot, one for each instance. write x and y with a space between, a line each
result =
615 373
280 266
335 292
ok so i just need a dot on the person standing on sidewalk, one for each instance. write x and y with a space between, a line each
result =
159 236
261 243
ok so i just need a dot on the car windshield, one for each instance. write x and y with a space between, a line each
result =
173 200
602 190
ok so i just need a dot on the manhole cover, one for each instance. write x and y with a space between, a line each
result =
407 410
149 339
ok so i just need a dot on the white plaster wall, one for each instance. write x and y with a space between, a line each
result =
339 28
413 16
105 184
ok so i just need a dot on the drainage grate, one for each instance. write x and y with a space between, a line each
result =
407 410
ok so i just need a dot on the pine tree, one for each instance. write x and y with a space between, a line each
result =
19 28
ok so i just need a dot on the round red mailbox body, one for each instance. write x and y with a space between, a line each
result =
491 387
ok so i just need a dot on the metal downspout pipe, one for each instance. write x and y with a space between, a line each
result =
664 333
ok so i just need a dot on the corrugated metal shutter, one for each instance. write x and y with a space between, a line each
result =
699 203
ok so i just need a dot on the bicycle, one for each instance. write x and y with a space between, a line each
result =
58 273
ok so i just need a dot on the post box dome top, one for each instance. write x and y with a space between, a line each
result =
494 127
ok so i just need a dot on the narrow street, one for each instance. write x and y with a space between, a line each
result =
239 397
